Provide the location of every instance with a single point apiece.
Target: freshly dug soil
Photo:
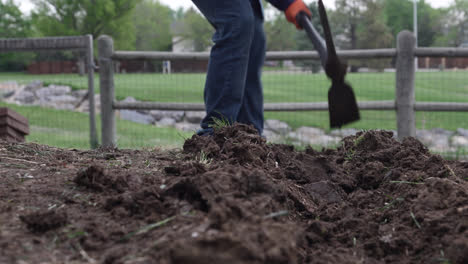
(233, 198)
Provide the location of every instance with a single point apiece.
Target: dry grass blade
(148, 228)
(415, 220)
(276, 214)
(407, 182)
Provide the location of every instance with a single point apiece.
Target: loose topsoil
(232, 198)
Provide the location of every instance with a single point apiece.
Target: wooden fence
(78, 43)
(404, 103)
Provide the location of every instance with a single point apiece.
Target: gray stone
(129, 99)
(7, 89)
(313, 136)
(194, 116)
(137, 117)
(79, 93)
(459, 141)
(344, 132)
(277, 126)
(84, 107)
(441, 131)
(24, 97)
(309, 132)
(462, 132)
(324, 140)
(33, 86)
(62, 99)
(436, 139)
(271, 136)
(188, 127)
(52, 90)
(160, 114)
(7, 94)
(166, 121)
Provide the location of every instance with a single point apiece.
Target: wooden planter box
(13, 126)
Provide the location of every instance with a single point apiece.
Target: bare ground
(232, 198)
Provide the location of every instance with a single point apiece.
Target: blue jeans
(233, 89)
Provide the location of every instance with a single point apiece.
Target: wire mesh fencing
(50, 89)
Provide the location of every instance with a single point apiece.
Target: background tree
(345, 21)
(13, 25)
(152, 26)
(373, 33)
(80, 17)
(455, 21)
(279, 32)
(399, 17)
(344, 24)
(193, 26)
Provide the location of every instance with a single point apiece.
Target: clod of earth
(233, 198)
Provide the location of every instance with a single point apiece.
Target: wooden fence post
(106, 76)
(92, 113)
(405, 71)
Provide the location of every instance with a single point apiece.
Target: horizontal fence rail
(441, 52)
(273, 107)
(271, 55)
(441, 107)
(50, 43)
(293, 55)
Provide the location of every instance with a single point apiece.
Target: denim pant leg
(229, 58)
(251, 111)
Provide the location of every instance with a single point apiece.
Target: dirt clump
(234, 198)
(40, 222)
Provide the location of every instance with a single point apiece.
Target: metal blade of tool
(342, 103)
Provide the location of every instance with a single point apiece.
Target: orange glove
(294, 9)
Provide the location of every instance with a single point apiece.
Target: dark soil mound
(44, 221)
(233, 198)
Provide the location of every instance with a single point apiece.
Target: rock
(33, 86)
(160, 114)
(129, 99)
(188, 127)
(308, 132)
(84, 107)
(277, 126)
(313, 136)
(435, 139)
(52, 90)
(462, 132)
(137, 117)
(24, 97)
(441, 131)
(62, 99)
(166, 121)
(325, 140)
(8, 89)
(271, 136)
(459, 141)
(344, 132)
(7, 94)
(194, 116)
(79, 93)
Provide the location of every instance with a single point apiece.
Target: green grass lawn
(68, 129)
(448, 86)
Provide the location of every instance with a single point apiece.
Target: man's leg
(251, 111)
(227, 70)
